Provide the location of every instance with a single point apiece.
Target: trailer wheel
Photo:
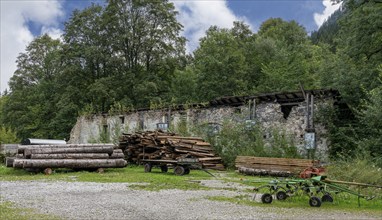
(314, 201)
(148, 168)
(187, 171)
(266, 198)
(164, 168)
(179, 170)
(281, 195)
(327, 198)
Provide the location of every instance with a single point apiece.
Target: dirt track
(84, 200)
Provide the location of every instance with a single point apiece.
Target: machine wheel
(266, 198)
(314, 201)
(164, 168)
(327, 198)
(148, 168)
(179, 170)
(187, 171)
(281, 195)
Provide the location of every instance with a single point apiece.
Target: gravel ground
(84, 200)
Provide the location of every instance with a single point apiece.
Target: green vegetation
(7, 136)
(362, 169)
(156, 180)
(125, 55)
(340, 202)
(243, 139)
(10, 211)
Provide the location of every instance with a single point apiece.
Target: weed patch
(10, 211)
(341, 202)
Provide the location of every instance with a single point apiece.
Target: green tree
(31, 103)
(359, 50)
(291, 59)
(184, 86)
(7, 136)
(289, 33)
(126, 52)
(146, 36)
(371, 121)
(354, 69)
(220, 62)
(328, 31)
(88, 57)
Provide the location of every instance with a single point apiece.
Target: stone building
(291, 112)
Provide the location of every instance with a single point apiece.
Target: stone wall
(269, 115)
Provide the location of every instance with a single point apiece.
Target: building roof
(283, 98)
(280, 97)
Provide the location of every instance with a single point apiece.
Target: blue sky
(23, 20)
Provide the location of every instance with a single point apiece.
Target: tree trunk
(21, 148)
(18, 163)
(71, 156)
(70, 163)
(103, 149)
(117, 155)
(9, 161)
(263, 172)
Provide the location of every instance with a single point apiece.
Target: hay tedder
(318, 188)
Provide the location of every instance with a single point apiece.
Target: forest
(127, 55)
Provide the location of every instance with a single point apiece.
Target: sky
(23, 20)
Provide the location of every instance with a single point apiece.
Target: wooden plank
(273, 164)
(210, 158)
(180, 138)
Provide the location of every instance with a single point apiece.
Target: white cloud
(54, 33)
(198, 16)
(320, 18)
(15, 34)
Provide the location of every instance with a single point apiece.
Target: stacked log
(272, 166)
(74, 156)
(168, 146)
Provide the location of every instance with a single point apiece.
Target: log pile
(168, 146)
(272, 166)
(73, 156)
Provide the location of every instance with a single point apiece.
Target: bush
(7, 136)
(235, 139)
(361, 168)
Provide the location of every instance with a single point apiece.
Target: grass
(9, 211)
(156, 180)
(341, 203)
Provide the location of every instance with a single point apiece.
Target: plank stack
(168, 146)
(74, 156)
(272, 166)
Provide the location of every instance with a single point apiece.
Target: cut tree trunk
(21, 148)
(18, 163)
(70, 163)
(9, 161)
(117, 155)
(262, 172)
(103, 149)
(71, 156)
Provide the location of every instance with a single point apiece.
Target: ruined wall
(270, 116)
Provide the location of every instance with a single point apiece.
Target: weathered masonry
(292, 112)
